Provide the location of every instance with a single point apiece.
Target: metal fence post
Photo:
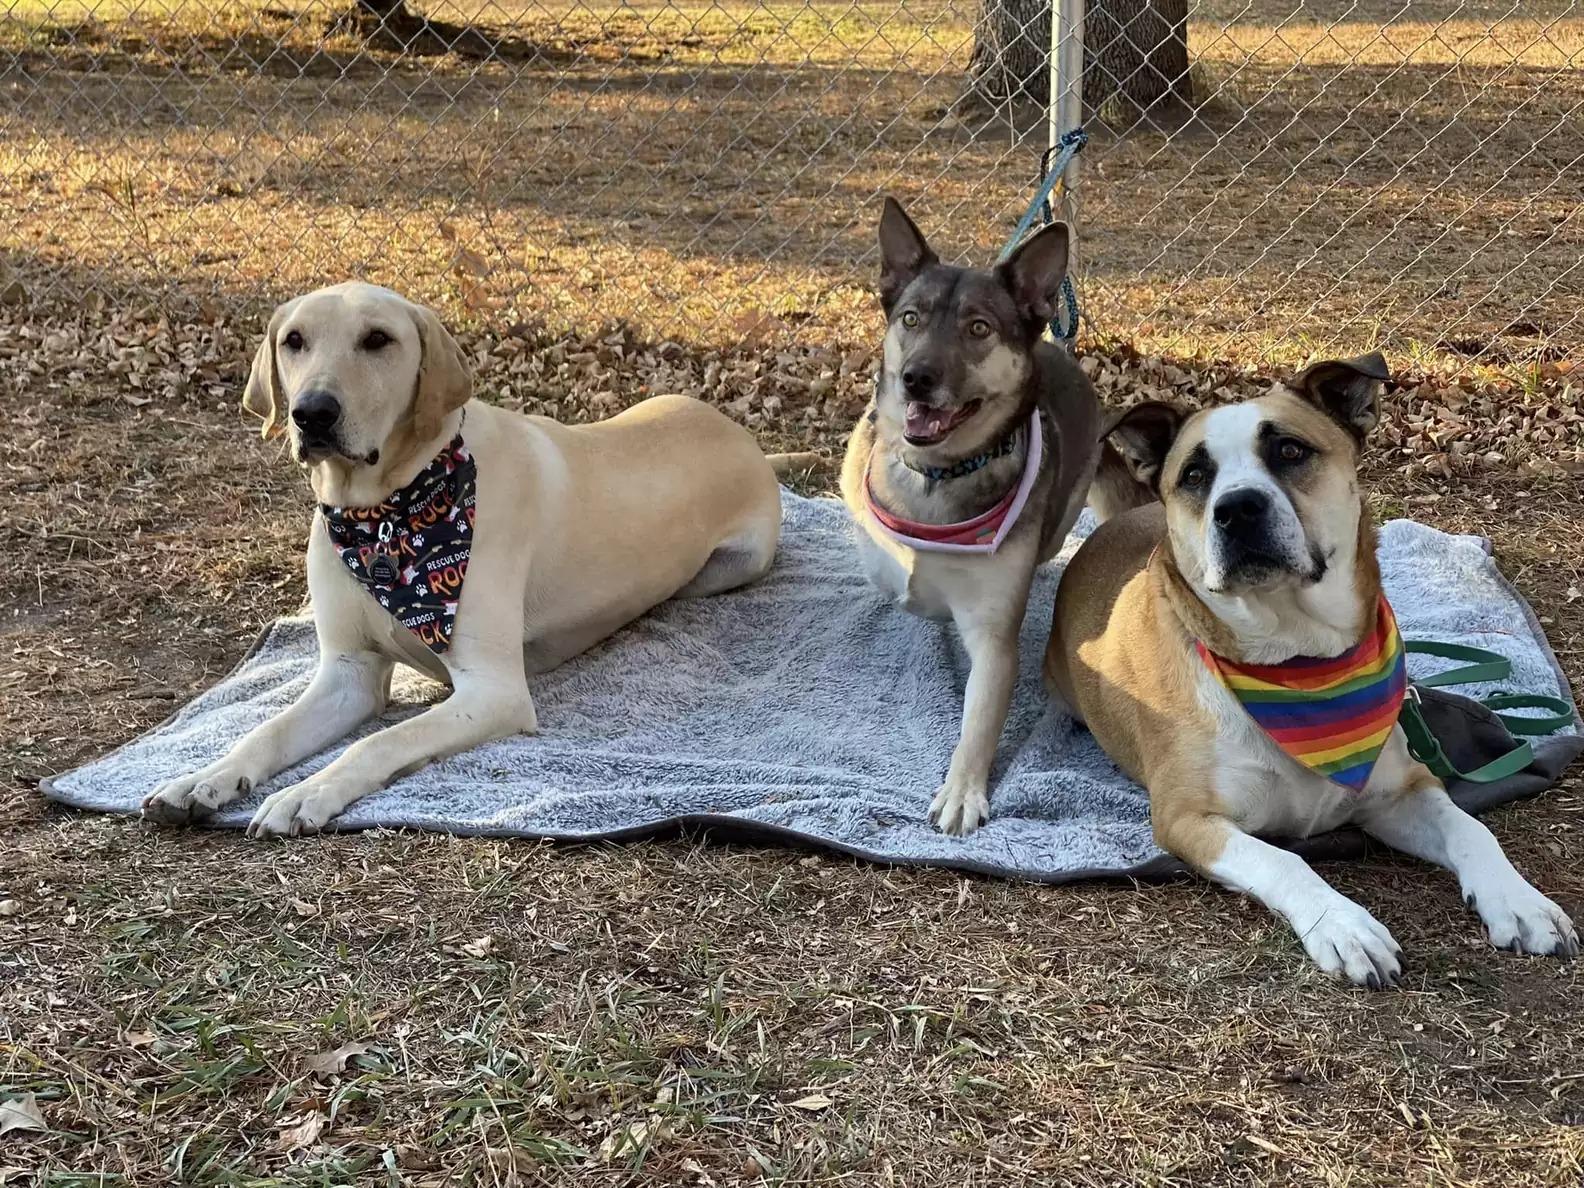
(1066, 106)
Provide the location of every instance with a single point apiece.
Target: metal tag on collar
(383, 567)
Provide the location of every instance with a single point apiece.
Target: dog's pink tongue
(924, 421)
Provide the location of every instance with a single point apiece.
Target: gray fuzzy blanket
(804, 710)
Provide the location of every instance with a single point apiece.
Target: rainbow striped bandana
(1333, 716)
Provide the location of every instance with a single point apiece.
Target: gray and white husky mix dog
(970, 465)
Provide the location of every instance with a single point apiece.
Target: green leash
(1480, 667)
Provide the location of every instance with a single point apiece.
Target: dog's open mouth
(927, 425)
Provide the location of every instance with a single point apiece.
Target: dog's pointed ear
(903, 252)
(1143, 436)
(1033, 274)
(1346, 390)
(263, 396)
(445, 382)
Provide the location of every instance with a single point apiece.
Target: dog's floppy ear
(445, 382)
(263, 396)
(903, 252)
(1143, 436)
(1033, 274)
(1346, 390)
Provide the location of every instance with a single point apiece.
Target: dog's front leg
(483, 706)
(962, 803)
(348, 689)
(1339, 935)
(1424, 822)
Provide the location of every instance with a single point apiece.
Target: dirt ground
(675, 1011)
(185, 1007)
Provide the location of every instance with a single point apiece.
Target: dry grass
(671, 1011)
(705, 172)
(668, 1012)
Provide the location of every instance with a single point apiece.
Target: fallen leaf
(633, 1137)
(482, 947)
(758, 1163)
(469, 261)
(328, 1064)
(139, 1039)
(696, 1169)
(21, 1113)
(305, 909)
(303, 1133)
(814, 1101)
(509, 1159)
(753, 327)
(410, 1158)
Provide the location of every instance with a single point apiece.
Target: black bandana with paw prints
(411, 551)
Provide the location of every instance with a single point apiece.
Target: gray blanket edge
(1552, 756)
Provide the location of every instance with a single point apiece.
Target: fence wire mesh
(709, 171)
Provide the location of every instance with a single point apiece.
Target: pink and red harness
(982, 534)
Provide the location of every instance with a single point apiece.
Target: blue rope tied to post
(1065, 150)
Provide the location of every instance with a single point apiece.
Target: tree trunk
(1138, 50)
(393, 25)
(372, 17)
(1011, 55)
(1134, 50)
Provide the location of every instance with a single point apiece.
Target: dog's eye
(375, 339)
(1193, 478)
(979, 328)
(910, 319)
(1290, 450)
(293, 341)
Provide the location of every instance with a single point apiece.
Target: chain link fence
(708, 172)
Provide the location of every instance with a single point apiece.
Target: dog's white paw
(1521, 920)
(1347, 941)
(193, 797)
(960, 807)
(299, 810)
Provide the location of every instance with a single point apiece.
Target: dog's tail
(1116, 489)
(786, 465)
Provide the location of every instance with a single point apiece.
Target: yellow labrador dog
(471, 543)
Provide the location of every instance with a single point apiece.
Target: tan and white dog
(1260, 548)
(574, 532)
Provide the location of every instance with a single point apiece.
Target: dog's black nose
(315, 413)
(1241, 509)
(919, 379)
